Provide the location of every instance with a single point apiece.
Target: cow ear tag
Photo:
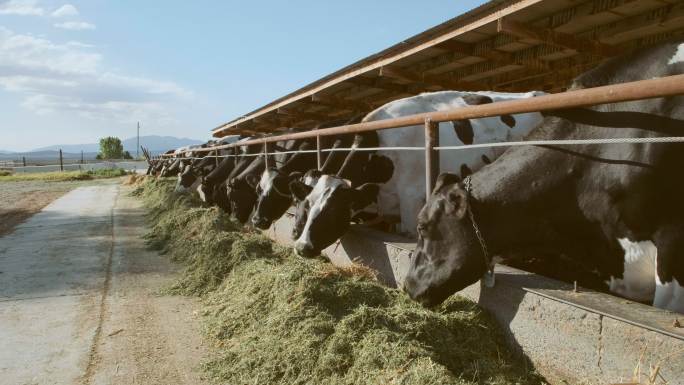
(489, 278)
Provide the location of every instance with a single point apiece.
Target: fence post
(23, 160)
(319, 155)
(431, 155)
(61, 161)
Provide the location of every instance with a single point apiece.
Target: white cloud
(75, 25)
(21, 7)
(65, 10)
(70, 78)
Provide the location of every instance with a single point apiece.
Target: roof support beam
(558, 39)
(303, 116)
(345, 104)
(429, 80)
(378, 84)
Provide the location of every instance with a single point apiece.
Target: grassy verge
(62, 176)
(278, 319)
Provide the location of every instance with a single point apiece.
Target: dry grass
(63, 176)
(275, 318)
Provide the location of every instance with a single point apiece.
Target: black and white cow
(617, 209)
(331, 199)
(273, 189)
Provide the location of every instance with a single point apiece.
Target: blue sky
(74, 71)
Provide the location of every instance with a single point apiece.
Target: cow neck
(503, 195)
(489, 263)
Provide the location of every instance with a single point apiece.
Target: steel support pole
(266, 154)
(431, 155)
(319, 155)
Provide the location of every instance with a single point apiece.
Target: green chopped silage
(278, 319)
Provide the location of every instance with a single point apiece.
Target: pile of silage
(278, 319)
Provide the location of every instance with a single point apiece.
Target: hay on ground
(275, 318)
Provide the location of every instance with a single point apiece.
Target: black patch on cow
(509, 120)
(475, 99)
(486, 159)
(464, 131)
(465, 170)
(379, 169)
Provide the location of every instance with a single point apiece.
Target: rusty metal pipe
(431, 156)
(642, 89)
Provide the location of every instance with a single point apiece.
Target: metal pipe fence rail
(632, 91)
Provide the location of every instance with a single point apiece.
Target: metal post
(23, 160)
(61, 161)
(82, 157)
(431, 155)
(319, 155)
(137, 144)
(266, 155)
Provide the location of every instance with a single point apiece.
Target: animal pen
(501, 46)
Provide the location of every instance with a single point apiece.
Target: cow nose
(304, 250)
(261, 223)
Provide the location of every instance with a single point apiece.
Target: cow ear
(297, 175)
(364, 195)
(457, 202)
(300, 190)
(445, 179)
(252, 180)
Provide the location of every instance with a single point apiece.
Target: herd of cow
(617, 210)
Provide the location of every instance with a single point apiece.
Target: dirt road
(79, 303)
(20, 200)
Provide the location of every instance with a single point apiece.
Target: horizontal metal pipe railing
(642, 89)
(556, 142)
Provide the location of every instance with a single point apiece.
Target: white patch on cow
(404, 194)
(179, 187)
(678, 56)
(201, 194)
(318, 198)
(668, 295)
(637, 282)
(310, 181)
(266, 181)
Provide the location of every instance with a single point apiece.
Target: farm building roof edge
(404, 45)
(502, 45)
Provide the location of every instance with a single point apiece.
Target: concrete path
(78, 302)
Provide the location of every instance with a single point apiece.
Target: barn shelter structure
(579, 336)
(512, 46)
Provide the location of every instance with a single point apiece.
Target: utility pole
(137, 147)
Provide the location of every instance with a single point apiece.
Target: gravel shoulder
(79, 300)
(20, 200)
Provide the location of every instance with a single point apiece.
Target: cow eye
(423, 230)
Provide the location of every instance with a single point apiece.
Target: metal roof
(503, 45)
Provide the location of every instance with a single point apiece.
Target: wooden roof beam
(336, 102)
(303, 116)
(430, 80)
(378, 84)
(558, 39)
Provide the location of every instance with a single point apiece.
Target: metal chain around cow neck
(488, 278)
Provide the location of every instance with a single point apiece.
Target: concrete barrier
(582, 337)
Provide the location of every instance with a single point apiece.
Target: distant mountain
(5, 152)
(154, 143)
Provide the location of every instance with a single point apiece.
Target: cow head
(448, 256)
(186, 179)
(324, 210)
(273, 197)
(242, 196)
